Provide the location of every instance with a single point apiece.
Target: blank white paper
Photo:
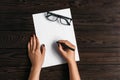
(49, 32)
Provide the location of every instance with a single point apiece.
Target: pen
(66, 46)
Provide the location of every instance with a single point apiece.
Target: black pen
(66, 46)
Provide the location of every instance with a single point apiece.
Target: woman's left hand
(36, 52)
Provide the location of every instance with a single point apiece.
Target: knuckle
(73, 45)
(37, 51)
(33, 52)
(65, 40)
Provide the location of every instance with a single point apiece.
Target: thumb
(60, 48)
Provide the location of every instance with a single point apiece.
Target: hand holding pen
(67, 50)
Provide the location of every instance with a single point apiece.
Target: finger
(61, 41)
(31, 43)
(69, 43)
(28, 47)
(37, 43)
(34, 42)
(60, 48)
(66, 42)
(43, 49)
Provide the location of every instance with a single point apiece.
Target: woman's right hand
(68, 54)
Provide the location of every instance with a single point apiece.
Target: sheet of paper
(49, 32)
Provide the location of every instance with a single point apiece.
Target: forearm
(34, 74)
(73, 71)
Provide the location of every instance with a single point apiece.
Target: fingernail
(43, 45)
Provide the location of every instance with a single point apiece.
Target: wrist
(35, 68)
(72, 64)
(71, 61)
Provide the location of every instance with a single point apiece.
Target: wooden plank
(19, 57)
(14, 57)
(32, 6)
(15, 39)
(99, 58)
(18, 16)
(88, 72)
(99, 72)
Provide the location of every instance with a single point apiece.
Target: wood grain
(97, 31)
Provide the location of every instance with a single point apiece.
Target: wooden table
(97, 29)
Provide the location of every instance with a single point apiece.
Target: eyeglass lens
(51, 17)
(65, 21)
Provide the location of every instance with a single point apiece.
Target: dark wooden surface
(97, 29)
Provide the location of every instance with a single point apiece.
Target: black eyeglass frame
(59, 16)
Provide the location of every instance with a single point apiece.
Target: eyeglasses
(54, 17)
